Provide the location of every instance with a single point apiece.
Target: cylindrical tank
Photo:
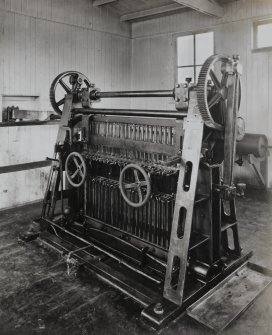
(255, 144)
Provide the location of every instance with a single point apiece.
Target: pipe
(132, 94)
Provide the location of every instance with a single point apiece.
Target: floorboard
(37, 296)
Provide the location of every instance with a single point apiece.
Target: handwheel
(66, 83)
(76, 170)
(142, 187)
(212, 91)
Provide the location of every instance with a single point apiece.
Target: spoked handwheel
(66, 83)
(76, 170)
(212, 91)
(140, 186)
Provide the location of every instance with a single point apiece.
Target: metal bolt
(177, 85)
(67, 211)
(177, 99)
(236, 57)
(185, 85)
(158, 309)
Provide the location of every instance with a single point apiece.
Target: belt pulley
(66, 83)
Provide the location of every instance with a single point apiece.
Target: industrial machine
(145, 198)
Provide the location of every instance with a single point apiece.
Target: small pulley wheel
(76, 170)
(66, 83)
(136, 193)
(212, 91)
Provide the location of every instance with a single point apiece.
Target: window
(262, 34)
(192, 51)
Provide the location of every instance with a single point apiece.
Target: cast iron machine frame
(164, 249)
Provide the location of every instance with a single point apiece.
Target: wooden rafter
(203, 6)
(97, 3)
(151, 12)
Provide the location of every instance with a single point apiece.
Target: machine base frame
(157, 311)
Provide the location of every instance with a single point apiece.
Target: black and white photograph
(135, 167)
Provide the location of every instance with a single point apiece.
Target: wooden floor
(37, 296)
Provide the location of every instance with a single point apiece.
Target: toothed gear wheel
(212, 93)
(66, 83)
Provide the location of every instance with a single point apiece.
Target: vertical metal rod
(167, 221)
(154, 219)
(149, 219)
(129, 215)
(163, 212)
(158, 210)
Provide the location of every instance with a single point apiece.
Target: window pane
(185, 50)
(204, 47)
(185, 72)
(264, 35)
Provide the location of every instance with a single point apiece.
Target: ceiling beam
(97, 3)
(203, 6)
(151, 12)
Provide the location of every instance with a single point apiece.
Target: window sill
(265, 49)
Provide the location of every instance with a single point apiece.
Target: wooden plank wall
(41, 38)
(38, 40)
(153, 58)
(24, 144)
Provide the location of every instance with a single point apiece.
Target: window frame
(188, 33)
(255, 25)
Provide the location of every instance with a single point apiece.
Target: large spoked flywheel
(66, 83)
(212, 91)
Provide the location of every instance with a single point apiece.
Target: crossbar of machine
(132, 94)
(130, 112)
